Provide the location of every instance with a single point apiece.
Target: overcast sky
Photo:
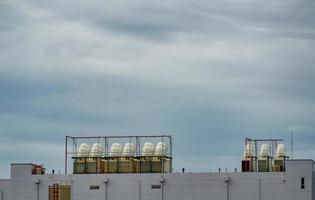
(210, 73)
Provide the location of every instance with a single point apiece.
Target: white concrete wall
(176, 186)
(197, 186)
(21, 171)
(5, 190)
(295, 170)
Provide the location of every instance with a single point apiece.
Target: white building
(296, 183)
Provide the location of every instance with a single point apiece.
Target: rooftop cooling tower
(115, 150)
(264, 150)
(161, 149)
(148, 149)
(96, 150)
(129, 149)
(280, 151)
(84, 150)
(248, 151)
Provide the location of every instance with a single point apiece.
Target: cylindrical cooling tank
(148, 149)
(84, 150)
(248, 151)
(264, 150)
(96, 150)
(115, 150)
(129, 149)
(280, 151)
(161, 149)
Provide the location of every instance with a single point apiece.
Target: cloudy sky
(210, 73)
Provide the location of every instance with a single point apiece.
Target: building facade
(296, 183)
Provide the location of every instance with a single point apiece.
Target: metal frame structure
(272, 144)
(105, 141)
(255, 143)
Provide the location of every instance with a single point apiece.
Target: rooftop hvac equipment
(161, 149)
(148, 149)
(280, 152)
(264, 151)
(115, 150)
(129, 149)
(84, 150)
(107, 154)
(263, 165)
(263, 161)
(96, 150)
(248, 151)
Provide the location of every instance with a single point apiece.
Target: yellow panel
(64, 192)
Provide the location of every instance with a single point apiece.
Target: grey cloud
(9, 18)
(157, 21)
(163, 20)
(209, 73)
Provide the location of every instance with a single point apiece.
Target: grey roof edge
(300, 160)
(22, 164)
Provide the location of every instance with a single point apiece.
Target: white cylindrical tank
(115, 150)
(148, 149)
(280, 152)
(129, 149)
(161, 149)
(248, 150)
(264, 150)
(96, 150)
(84, 150)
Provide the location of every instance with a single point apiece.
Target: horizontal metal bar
(263, 140)
(105, 157)
(108, 137)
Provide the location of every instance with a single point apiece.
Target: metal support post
(106, 185)
(66, 154)
(162, 180)
(37, 189)
(227, 181)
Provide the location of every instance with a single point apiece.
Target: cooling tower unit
(279, 161)
(107, 155)
(161, 149)
(264, 159)
(129, 150)
(115, 150)
(247, 161)
(79, 163)
(148, 149)
(96, 150)
(84, 150)
(95, 166)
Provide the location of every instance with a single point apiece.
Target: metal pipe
(263, 140)
(162, 180)
(122, 136)
(138, 151)
(171, 146)
(256, 155)
(37, 189)
(66, 154)
(227, 181)
(291, 145)
(129, 159)
(106, 147)
(162, 155)
(1, 192)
